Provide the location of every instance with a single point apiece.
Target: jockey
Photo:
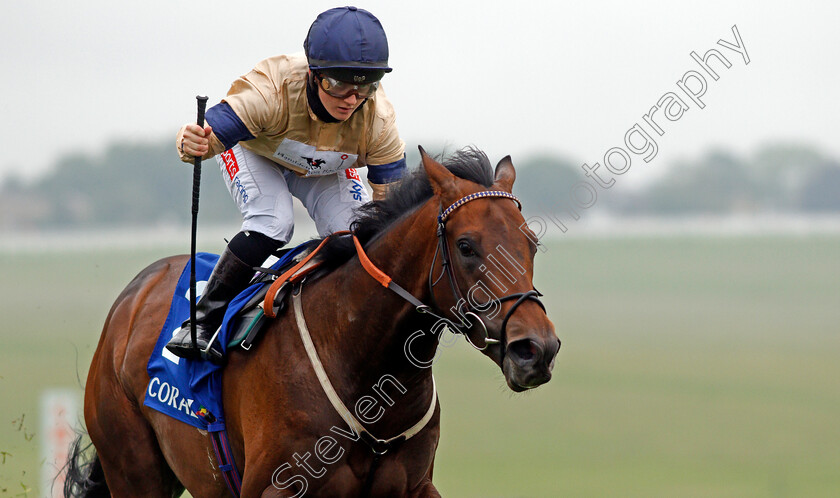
(296, 125)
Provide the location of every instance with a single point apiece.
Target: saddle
(246, 316)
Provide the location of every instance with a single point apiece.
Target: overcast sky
(565, 77)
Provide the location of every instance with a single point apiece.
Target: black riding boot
(230, 277)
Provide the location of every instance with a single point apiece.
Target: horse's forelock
(471, 164)
(374, 218)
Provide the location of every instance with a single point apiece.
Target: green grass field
(690, 366)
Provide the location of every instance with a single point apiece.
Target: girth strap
(227, 466)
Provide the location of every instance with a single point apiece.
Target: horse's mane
(376, 217)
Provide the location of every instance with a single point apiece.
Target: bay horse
(452, 220)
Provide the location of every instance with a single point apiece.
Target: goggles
(342, 89)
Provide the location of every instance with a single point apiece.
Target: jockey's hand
(195, 141)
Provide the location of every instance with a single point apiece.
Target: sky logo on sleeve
(352, 188)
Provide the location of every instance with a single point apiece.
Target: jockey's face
(340, 109)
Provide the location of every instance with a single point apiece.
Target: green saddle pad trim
(243, 332)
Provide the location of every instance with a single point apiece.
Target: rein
(380, 447)
(463, 307)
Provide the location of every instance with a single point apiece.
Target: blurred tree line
(128, 184)
(146, 185)
(776, 179)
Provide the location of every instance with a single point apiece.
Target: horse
(452, 221)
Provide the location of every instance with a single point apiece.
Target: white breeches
(263, 191)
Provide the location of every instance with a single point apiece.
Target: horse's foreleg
(426, 489)
(272, 492)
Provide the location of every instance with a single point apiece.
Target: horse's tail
(85, 477)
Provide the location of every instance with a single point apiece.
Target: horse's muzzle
(529, 361)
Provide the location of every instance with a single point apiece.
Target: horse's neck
(362, 328)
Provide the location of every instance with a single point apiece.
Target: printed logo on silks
(352, 174)
(231, 166)
(237, 183)
(309, 161)
(352, 188)
(314, 163)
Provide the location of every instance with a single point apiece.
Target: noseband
(463, 308)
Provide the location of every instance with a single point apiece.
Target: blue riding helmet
(347, 42)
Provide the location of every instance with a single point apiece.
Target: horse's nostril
(526, 350)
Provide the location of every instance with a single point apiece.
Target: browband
(478, 195)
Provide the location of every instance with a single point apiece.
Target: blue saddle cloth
(191, 390)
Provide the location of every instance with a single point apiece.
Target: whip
(196, 187)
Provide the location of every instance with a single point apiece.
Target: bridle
(380, 447)
(462, 306)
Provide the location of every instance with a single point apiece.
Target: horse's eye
(465, 248)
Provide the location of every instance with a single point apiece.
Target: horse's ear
(441, 179)
(505, 174)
